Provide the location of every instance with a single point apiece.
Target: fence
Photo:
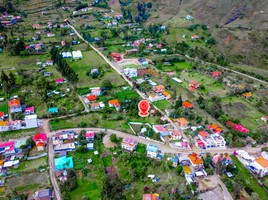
(152, 139)
(35, 157)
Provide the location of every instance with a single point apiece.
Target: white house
(77, 54)
(218, 140)
(206, 139)
(153, 98)
(66, 55)
(3, 126)
(130, 72)
(129, 143)
(260, 166)
(31, 121)
(15, 125)
(152, 150)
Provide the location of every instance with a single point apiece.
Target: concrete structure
(77, 54)
(31, 121)
(130, 72)
(153, 98)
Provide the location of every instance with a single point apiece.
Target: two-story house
(196, 161)
(152, 150)
(114, 103)
(90, 136)
(206, 139)
(219, 141)
(129, 144)
(41, 141)
(15, 106)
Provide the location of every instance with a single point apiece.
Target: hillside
(242, 36)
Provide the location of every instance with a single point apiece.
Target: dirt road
(227, 196)
(52, 169)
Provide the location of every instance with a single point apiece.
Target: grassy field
(92, 60)
(163, 104)
(248, 179)
(90, 183)
(29, 165)
(110, 122)
(177, 66)
(3, 107)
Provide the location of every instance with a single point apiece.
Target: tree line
(63, 66)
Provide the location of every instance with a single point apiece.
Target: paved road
(164, 147)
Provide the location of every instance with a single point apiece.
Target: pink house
(59, 81)
(90, 136)
(29, 111)
(96, 92)
(7, 147)
(240, 128)
(63, 43)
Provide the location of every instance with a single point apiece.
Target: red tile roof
(186, 104)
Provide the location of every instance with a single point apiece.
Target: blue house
(174, 161)
(90, 146)
(53, 110)
(64, 163)
(152, 150)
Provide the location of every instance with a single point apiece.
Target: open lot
(27, 182)
(30, 165)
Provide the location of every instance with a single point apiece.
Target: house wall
(151, 154)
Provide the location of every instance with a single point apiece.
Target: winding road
(165, 147)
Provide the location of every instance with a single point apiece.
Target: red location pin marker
(144, 107)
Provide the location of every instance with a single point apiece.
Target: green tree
(12, 79)
(30, 141)
(6, 87)
(113, 138)
(141, 47)
(179, 169)
(107, 84)
(169, 163)
(112, 188)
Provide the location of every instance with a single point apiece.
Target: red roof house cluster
(237, 127)
(116, 56)
(193, 85)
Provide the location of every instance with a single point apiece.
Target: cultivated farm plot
(27, 182)
(243, 111)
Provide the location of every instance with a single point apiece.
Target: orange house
(183, 123)
(196, 161)
(158, 88)
(186, 104)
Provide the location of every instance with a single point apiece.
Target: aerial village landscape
(72, 76)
